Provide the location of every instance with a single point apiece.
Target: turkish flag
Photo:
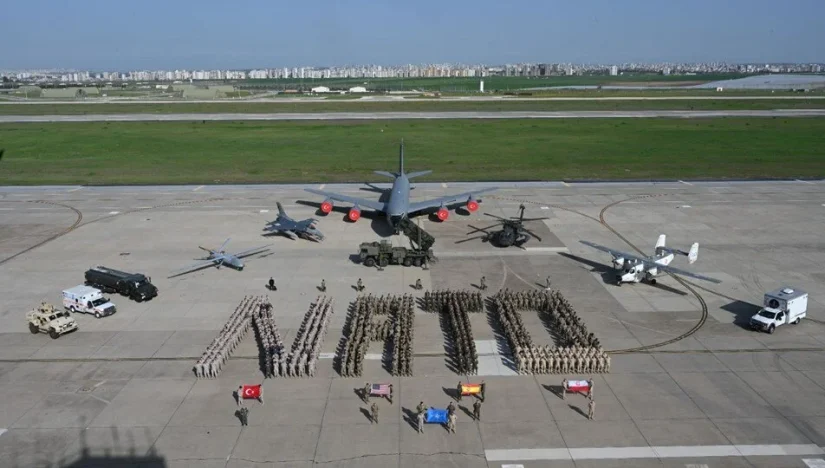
(251, 391)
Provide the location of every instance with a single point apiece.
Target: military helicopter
(512, 231)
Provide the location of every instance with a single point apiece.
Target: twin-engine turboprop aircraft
(633, 269)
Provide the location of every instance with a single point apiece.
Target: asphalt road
(413, 115)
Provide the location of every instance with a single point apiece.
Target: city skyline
(91, 35)
(409, 71)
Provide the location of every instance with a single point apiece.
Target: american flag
(380, 389)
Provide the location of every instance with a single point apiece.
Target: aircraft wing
(677, 271)
(279, 224)
(249, 252)
(363, 202)
(197, 266)
(614, 253)
(448, 200)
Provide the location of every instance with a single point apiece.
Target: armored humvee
(48, 319)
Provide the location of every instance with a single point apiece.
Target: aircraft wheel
(369, 262)
(771, 329)
(33, 328)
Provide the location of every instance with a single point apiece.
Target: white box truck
(785, 305)
(88, 300)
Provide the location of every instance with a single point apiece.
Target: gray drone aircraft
(398, 205)
(219, 257)
(287, 226)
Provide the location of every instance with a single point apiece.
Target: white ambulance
(87, 300)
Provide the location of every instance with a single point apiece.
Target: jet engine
(472, 205)
(326, 206)
(354, 214)
(442, 214)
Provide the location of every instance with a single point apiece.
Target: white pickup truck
(87, 300)
(780, 307)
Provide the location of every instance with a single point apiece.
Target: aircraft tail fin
(418, 174)
(280, 209)
(660, 244)
(661, 241)
(694, 252)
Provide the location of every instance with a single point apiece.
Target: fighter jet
(219, 257)
(287, 226)
(633, 269)
(398, 205)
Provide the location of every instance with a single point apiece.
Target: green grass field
(408, 106)
(314, 151)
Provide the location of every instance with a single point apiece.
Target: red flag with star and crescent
(251, 391)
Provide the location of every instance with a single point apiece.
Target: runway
(678, 114)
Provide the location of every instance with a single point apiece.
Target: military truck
(48, 319)
(133, 285)
(383, 253)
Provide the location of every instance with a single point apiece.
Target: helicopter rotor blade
(494, 216)
(484, 230)
(469, 239)
(532, 234)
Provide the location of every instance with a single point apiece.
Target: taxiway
(680, 114)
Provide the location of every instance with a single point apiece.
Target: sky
(186, 34)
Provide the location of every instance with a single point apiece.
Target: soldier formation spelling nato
(391, 318)
(580, 351)
(303, 358)
(217, 353)
(374, 318)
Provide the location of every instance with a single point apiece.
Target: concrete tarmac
(121, 389)
(413, 115)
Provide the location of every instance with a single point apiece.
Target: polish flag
(251, 391)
